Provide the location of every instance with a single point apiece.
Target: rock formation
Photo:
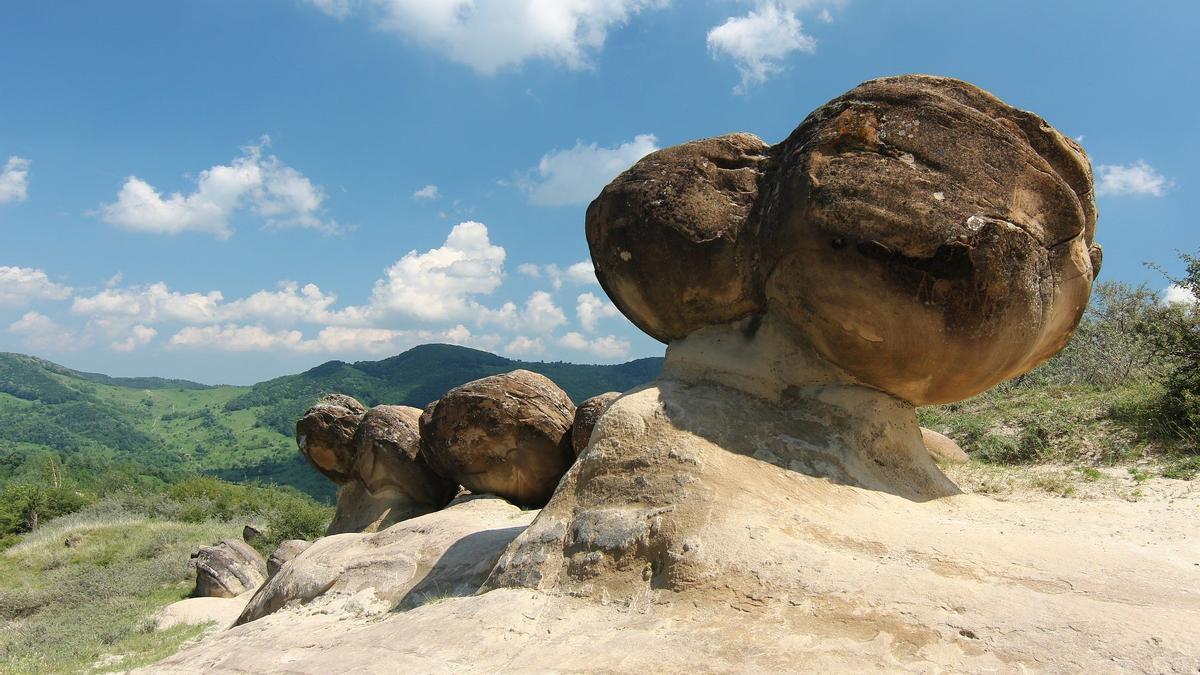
(374, 457)
(586, 416)
(942, 448)
(913, 241)
(432, 557)
(283, 553)
(769, 504)
(227, 570)
(507, 435)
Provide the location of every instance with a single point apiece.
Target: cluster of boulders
(513, 435)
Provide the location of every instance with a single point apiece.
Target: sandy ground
(1105, 579)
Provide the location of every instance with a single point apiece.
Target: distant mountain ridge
(164, 428)
(421, 375)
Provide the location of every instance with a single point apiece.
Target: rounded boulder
(507, 435)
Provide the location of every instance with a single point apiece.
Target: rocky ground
(1023, 579)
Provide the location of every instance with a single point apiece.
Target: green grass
(88, 606)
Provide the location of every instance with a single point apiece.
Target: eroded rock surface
(586, 416)
(375, 458)
(284, 552)
(227, 570)
(433, 557)
(942, 448)
(325, 435)
(507, 435)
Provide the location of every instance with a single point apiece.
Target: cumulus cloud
(759, 42)
(429, 192)
(541, 314)
(577, 273)
(439, 284)
(14, 180)
(490, 35)
(576, 175)
(22, 285)
(151, 304)
(608, 346)
(40, 332)
(522, 345)
(590, 309)
(139, 336)
(1178, 295)
(263, 185)
(1137, 179)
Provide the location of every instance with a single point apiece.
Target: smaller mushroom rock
(942, 448)
(586, 416)
(326, 433)
(388, 441)
(389, 479)
(227, 570)
(284, 552)
(507, 435)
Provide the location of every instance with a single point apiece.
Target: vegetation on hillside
(94, 579)
(1127, 387)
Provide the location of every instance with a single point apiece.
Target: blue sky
(232, 190)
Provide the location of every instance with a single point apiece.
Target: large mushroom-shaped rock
(507, 435)
(227, 570)
(586, 416)
(325, 435)
(375, 458)
(914, 241)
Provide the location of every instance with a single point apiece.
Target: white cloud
(1178, 295)
(530, 270)
(522, 345)
(14, 180)
(581, 272)
(1137, 179)
(759, 42)
(235, 338)
(292, 303)
(264, 185)
(590, 309)
(608, 346)
(21, 285)
(151, 304)
(40, 332)
(428, 192)
(541, 315)
(139, 336)
(576, 175)
(438, 284)
(490, 35)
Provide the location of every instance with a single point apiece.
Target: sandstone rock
(674, 239)
(221, 613)
(389, 458)
(284, 552)
(251, 534)
(440, 555)
(227, 570)
(912, 222)
(507, 435)
(326, 435)
(942, 448)
(586, 416)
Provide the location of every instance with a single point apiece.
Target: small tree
(1173, 330)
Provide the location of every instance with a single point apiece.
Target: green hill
(156, 429)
